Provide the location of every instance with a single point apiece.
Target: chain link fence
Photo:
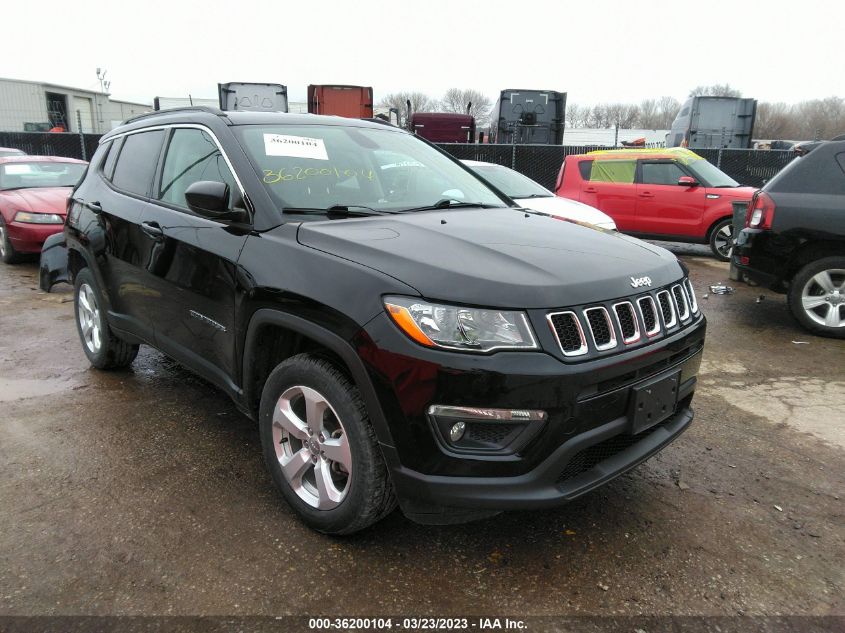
(68, 144)
(542, 163)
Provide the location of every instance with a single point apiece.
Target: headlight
(38, 218)
(455, 327)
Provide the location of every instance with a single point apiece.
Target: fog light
(457, 431)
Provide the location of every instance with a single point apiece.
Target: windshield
(317, 167)
(710, 175)
(40, 174)
(11, 152)
(510, 182)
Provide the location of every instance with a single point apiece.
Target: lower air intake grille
(584, 460)
(493, 433)
(568, 332)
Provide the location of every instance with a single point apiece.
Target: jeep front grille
(607, 328)
(681, 302)
(568, 332)
(649, 313)
(601, 328)
(666, 308)
(627, 320)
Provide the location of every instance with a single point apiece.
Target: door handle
(153, 230)
(590, 190)
(646, 194)
(95, 207)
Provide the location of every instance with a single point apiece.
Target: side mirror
(210, 199)
(687, 181)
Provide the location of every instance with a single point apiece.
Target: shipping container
(355, 102)
(253, 97)
(443, 127)
(714, 122)
(528, 116)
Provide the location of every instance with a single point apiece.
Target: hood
(739, 193)
(505, 258)
(39, 199)
(566, 208)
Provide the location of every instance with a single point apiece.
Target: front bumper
(29, 238)
(585, 442)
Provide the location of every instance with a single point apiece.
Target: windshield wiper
(534, 195)
(344, 210)
(448, 203)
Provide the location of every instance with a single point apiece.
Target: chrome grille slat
(597, 320)
(667, 309)
(626, 318)
(691, 295)
(681, 302)
(652, 311)
(562, 324)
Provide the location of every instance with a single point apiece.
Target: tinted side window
(111, 158)
(661, 173)
(137, 162)
(192, 155)
(584, 167)
(840, 158)
(616, 171)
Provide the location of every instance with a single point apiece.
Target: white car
(531, 195)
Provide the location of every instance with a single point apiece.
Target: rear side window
(137, 162)
(840, 158)
(661, 173)
(585, 166)
(192, 155)
(615, 171)
(111, 158)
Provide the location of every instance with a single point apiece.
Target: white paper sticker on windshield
(295, 146)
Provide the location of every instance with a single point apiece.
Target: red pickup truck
(672, 194)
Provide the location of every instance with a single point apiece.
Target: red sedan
(33, 201)
(666, 194)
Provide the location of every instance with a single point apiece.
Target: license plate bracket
(654, 401)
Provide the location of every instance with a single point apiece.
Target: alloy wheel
(88, 313)
(723, 240)
(312, 447)
(2, 240)
(823, 297)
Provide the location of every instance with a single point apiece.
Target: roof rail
(145, 115)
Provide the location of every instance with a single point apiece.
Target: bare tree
(420, 102)
(667, 110)
(716, 90)
(576, 115)
(456, 100)
(774, 121)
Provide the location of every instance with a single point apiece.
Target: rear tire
(321, 448)
(817, 297)
(7, 251)
(101, 346)
(721, 239)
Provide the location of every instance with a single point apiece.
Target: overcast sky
(595, 50)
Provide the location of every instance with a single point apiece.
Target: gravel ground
(142, 492)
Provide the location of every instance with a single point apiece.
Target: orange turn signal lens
(406, 323)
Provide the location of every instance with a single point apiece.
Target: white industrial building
(34, 106)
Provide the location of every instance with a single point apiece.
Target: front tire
(321, 449)
(7, 251)
(103, 349)
(817, 297)
(721, 239)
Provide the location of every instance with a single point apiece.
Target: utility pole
(104, 87)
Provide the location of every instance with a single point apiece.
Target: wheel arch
(810, 251)
(273, 335)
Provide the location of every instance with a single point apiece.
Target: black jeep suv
(400, 330)
(794, 240)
